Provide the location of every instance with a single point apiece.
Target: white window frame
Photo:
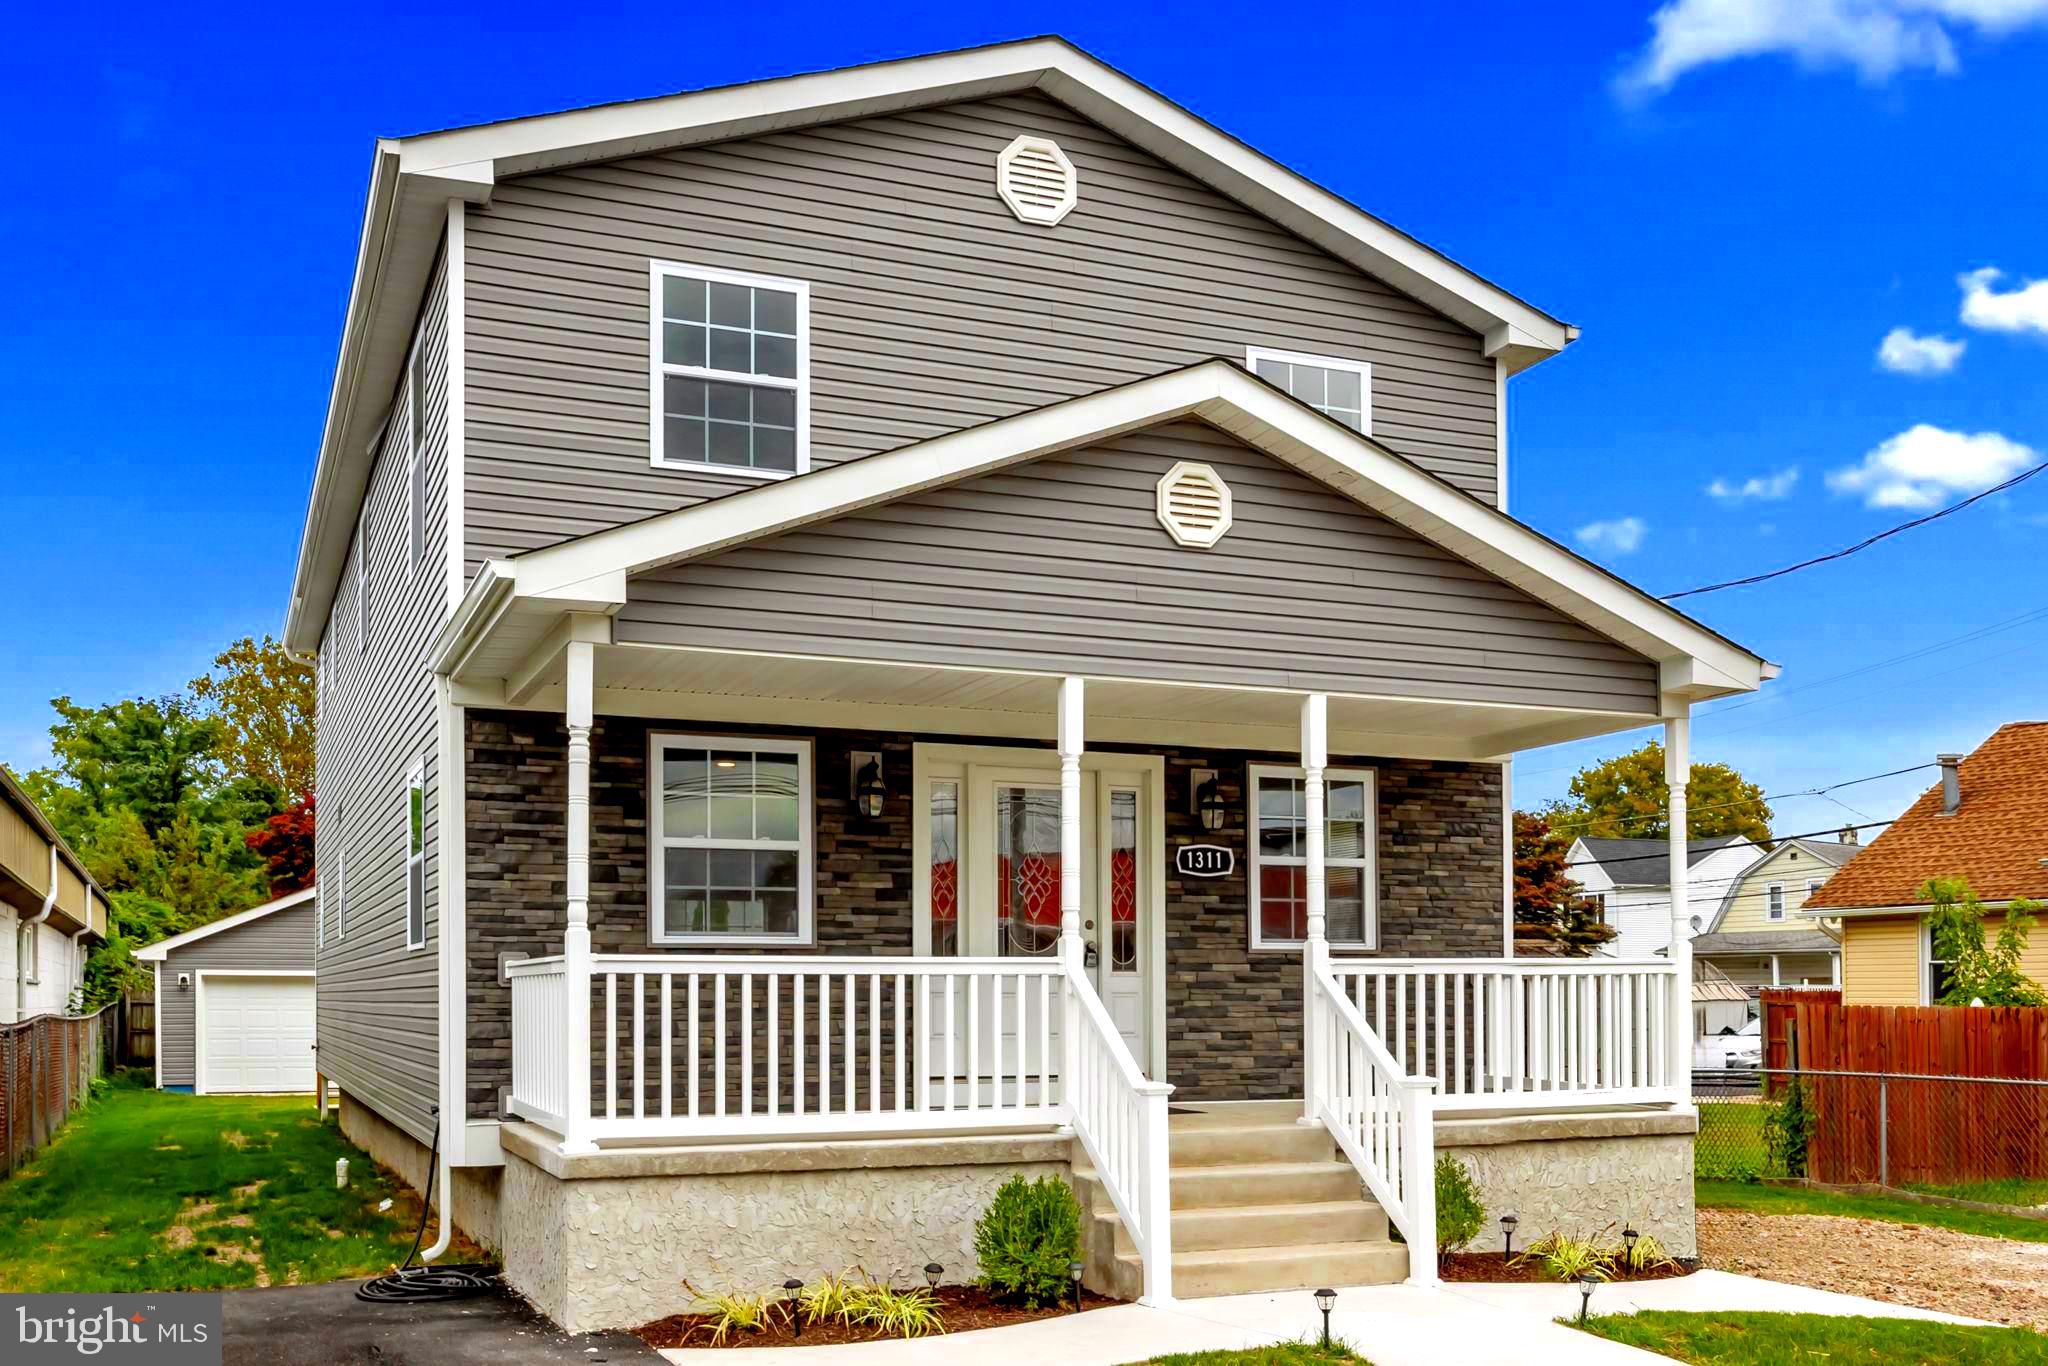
(658, 368)
(1813, 884)
(416, 471)
(1363, 369)
(659, 843)
(415, 781)
(1599, 903)
(1774, 902)
(1927, 961)
(1256, 859)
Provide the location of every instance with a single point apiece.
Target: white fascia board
(594, 568)
(157, 952)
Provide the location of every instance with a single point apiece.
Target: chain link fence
(47, 1068)
(1968, 1138)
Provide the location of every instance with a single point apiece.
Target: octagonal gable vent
(1194, 504)
(1036, 180)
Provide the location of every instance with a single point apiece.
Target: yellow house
(1986, 821)
(1757, 937)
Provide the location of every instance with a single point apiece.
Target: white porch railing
(1121, 1120)
(540, 1044)
(1381, 1117)
(1524, 1034)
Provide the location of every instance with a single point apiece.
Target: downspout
(26, 937)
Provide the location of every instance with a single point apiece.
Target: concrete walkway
(1391, 1325)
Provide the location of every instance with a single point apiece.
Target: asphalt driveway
(326, 1325)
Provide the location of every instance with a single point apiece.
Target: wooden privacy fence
(1915, 1095)
(47, 1066)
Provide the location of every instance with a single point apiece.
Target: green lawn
(2017, 1191)
(1772, 1339)
(145, 1190)
(1758, 1199)
(1281, 1354)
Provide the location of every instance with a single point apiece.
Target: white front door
(256, 1035)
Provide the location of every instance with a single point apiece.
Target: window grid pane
(1335, 392)
(1282, 854)
(732, 841)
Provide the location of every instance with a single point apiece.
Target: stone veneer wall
(1580, 1185)
(1233, 1017)
(611, 1252)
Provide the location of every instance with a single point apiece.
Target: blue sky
(1738, 201)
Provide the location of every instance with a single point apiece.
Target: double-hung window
(1337, 388)
(731, 372)
(1774, 901)
(416, 855)
(730, 839)
(1279, 859)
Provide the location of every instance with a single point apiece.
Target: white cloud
(1877, 38)
(2017, 310)
(1903, 353)
(1923, 466)
(1767, 488)
(1617, 537)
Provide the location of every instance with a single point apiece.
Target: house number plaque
(1203, 860)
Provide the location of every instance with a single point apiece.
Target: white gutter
(25, 936)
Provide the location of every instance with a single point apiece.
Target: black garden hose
(426, 1284)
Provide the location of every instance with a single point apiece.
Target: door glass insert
(1123, 880)
(945, 869)
(1027, 871)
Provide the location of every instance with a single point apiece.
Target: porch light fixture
(932, 1272)
(1074, 1270)
(1326, 1300)
(795, 1289)
(1205, 798)
(1507, 1235)
(866, 783)
(1586, 1284)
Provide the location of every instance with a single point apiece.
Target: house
(1630, 881)
(1757, 937)
(938, 605)
(234, 1000)
(51, 911)
(1985, 820)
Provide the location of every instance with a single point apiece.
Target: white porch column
(1072, 955)
(579, 670)
(1775, 979)
(1835, 967)
(1315, 757)
(1678, 774)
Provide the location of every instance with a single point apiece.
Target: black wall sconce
(1205, 797)
(865, 783)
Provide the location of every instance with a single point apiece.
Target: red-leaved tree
(1552, 916)
(285, 842)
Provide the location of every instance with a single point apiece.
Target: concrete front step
(1217, 1230)
(1263, 1183)
(1208, 1146)
(1244, 1271)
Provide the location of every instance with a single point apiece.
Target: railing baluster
(875, 1043)
(746, 1043)
(611, 1045)
(824, 1043)
(951, 1022)
(696, 1045)
(899, 1043)
(718, 1029)
(796, 1043)
(639, 1045)
(1045, 1040)
(973, 1041)
(774, 1043)
(667, 1043)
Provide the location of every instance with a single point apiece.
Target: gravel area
(1930, 1268)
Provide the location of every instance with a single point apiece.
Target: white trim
(1695, 662)
(1507, 869)
(1363, 369)
(1255, 858)
(455, 386)
(804, 846)
(1186, 472)
(415, 779)
(199, 976)
(1774, 903)
(451, 948)
(157, 952)
(1047, 215)
(416, 455)
(1500, 433)
(156, 997)
(657, 368)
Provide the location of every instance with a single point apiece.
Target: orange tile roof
(1997, 838)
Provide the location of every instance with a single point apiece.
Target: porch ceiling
(743, 688)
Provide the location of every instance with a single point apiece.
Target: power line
(1776, 839)
(1780, 797)
(1863, 544)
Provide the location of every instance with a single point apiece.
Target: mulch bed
(962, 1308)
(1491, 1266)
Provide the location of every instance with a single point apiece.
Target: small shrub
(1566, 1258)
(1788, 1129)
(830, 1298)
(892, 1312)
(735, 1311)
(1025, 1239)
(1460, 1213)
(1743, 1168)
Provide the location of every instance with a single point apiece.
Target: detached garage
(234, 1001)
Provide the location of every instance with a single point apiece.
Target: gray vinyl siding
(378, 1013)
(280, 942)
(1061, 565)
(932, 307)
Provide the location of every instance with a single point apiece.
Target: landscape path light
(1326, 1300)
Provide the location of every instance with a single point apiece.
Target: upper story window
(1279, 858)
(731, 372)
(1774, 901)
(730, 840)
(1337, 388)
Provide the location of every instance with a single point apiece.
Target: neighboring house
(1986, 820)
(51, 911)
(1757, 936)
(838, 601)
(1630, 881)
(234, 1000)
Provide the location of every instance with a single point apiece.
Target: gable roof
(157, 952)
(1834, 855)
(590, 574)
(1645, 863)
(1997, 838)
(413, 180)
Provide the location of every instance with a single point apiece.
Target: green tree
(1626, 797)
(1977, 970)
(1551, 916)
(263, 697)
(139, 755)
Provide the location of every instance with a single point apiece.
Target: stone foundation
(607, 1241)
(476, 1188)
(1581, 1174)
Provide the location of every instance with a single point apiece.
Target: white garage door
(258, 1034)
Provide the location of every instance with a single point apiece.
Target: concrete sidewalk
(1391, 1325)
